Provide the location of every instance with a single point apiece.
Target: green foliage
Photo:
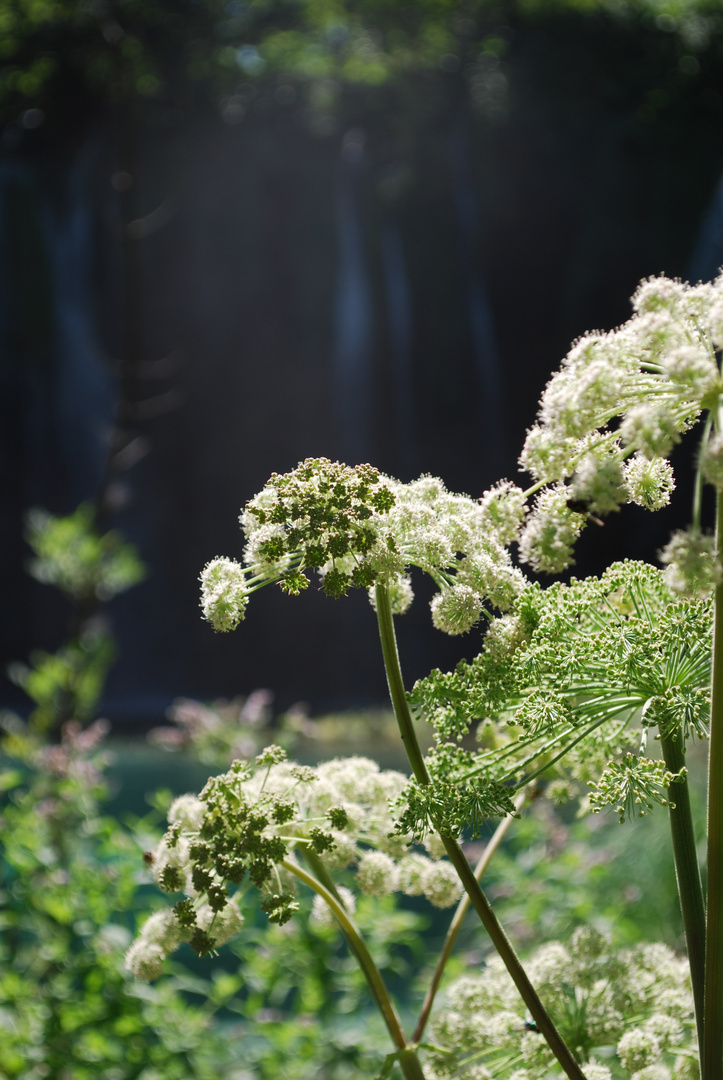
(71, 555)
(559, 870)
(91, 568)
(66, 684)
(71, 894)
(301, 1000)
(140, 49)
(69, 901)
(575, 679)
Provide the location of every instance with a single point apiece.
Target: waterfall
(53, 373)
(84, 392)
(352, 354)
(486, 358)
(399, 314)
(707, 257)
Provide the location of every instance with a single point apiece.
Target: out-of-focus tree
(56, 53)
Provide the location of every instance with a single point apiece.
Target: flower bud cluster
(637, 1000)
(249, 824)
(320, 514)
(633, 786)
(572, 677)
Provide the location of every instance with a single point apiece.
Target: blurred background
(234, 235)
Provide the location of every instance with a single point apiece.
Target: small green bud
(201, 943)
(338, 817)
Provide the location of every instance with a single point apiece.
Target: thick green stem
(712, 1048)
(511, 961)
(408, 1060)
(454, 851)
(459, 916)
(698, 485)
(687, 871)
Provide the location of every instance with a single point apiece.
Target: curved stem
(712, 1048)
(456, 856)
(395, 683)
(517, 973)
(687, 871)
(321, 873)
(408, 1060)
(459, 916)
(698, 487)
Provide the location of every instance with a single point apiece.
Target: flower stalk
(459, 916)
(687, 871)
(712, 1046)
(455, 854)
(408, 1060)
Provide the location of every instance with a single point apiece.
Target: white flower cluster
(649, 483)
(357, 527)
(549, 537)
(224, 593)
(162, 934)
(460, 542)
(692, 568)
(345, 802)
(382, 858)
(712, 461)
(632, 1008)
(611, 415)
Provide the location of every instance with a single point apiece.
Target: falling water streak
(7, 174)
(487, 366)
(83, 391)
(352, 356)
(707, 257)
(399, 313)
(27, 406)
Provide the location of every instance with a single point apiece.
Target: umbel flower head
(357, 528)
(249, 824)
(610, 417)
(636, 1000)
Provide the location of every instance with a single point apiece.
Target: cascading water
(53, 367)
(707, 257)
(83, 392)
(399, 315)
(486, 357)
(352, 354)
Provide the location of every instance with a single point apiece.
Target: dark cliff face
(392, 280)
